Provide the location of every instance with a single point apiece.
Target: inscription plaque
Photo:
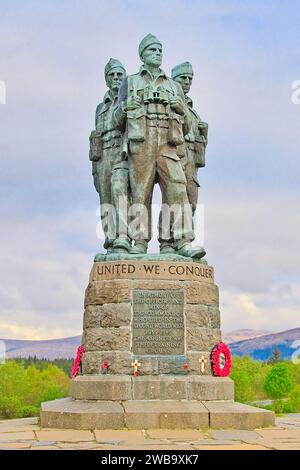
(158, 322)
(191, 271)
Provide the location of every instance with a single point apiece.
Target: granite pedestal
(148, 331)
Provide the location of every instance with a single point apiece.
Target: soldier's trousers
(190, 172)
(112, 183)
(155, 160)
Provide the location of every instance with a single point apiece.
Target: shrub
(243, 387)
(278, 382)
(9, 407)
(248, 376)
(22, 389)
(29, 410)
(294, 371)
(294, 400)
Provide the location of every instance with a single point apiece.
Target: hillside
(261, 347)
(66, 347)
(240, 335)
(258, 346)
(49, 349)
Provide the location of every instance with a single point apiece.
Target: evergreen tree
(276, 356)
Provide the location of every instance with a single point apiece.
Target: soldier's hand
(177, 104)
(133, 102)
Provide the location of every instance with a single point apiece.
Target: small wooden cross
(136, 364)
(202, 362)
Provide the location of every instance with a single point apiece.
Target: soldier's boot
(108, 245)
(166, 247)
(121, 245)
(139, 248)
(190, 251)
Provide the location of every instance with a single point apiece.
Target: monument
(152, 354)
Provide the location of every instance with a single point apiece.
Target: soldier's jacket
(196, 138)
(155, 94)
(106, 134)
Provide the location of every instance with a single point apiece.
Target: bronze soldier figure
(110, 167)
(196, 140)
(154, 116)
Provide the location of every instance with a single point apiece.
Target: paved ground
(26, 434)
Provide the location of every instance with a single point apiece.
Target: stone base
(152, 414)
(159, 317)
(151, 387)
(163, 314)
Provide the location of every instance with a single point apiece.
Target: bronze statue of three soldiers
(147, 132)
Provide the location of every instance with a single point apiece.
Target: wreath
(221, 360)
(77, 362)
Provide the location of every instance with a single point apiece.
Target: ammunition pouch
(181, 152)
(136, 124)
(203, 129)
(199, 152)
(95, 146)
(175, 129)
(200, 144)
(157, 109)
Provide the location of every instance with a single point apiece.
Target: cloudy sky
(245, 55)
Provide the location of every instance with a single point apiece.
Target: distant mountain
(239, 335)
(49, 349)
(66, 347)
(257, 346)
(261, 348)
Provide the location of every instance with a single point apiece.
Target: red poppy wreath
(221, 360)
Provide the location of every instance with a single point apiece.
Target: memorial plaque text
(158, 322)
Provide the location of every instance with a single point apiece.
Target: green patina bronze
(110, 168)
(147, 132)
(193, 151)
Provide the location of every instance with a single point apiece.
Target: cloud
(252, 241)
(252, 238)
(44, 273)
(276, 309)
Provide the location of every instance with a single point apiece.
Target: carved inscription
(151, 270)
(158, 322)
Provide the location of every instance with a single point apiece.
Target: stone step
(148, 414)
(66, 413)
(163, 387)
(226, 415)
(167, 414)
